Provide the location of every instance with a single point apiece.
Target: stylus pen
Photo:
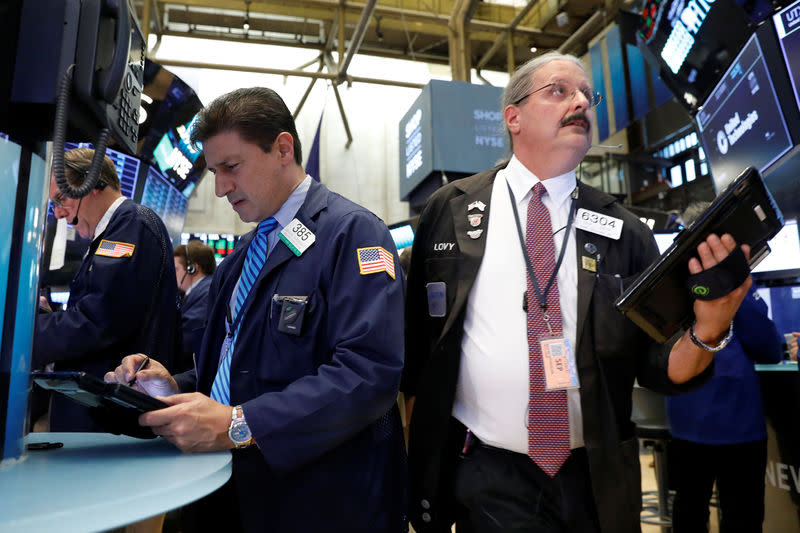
(144, 364)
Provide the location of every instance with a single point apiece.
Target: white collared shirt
(492, 391)
(106, 218)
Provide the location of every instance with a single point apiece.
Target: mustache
(577, 116)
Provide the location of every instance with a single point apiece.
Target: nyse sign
(488, 129)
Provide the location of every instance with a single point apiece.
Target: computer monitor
(787, 24)
(784, 259)
(741, 123)
(691, 43)
(166, 200)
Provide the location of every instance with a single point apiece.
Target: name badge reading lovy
(598, 223)
(297, 237)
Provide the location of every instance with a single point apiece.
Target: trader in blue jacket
(194, 265)
(309, 346)
(123, 298)
(719, 430)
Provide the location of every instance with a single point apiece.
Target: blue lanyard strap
(542, 297)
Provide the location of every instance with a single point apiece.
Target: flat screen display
(167, 201)
(741, 123)
(403, 236)
(691, 43)
(664, 240)
(222, 244)
(787, 24)
(785, 254)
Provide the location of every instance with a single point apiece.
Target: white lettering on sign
(779, 474)
(682, 37)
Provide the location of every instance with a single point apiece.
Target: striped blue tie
(253, 263)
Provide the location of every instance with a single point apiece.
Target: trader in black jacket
(194, 265)
(512, 429)
(123, 299)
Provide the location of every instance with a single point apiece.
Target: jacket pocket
(615, 335)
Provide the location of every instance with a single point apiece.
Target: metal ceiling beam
(355, 41)
(498, 42)
(460, 60)
(286, 72)
(582, 34)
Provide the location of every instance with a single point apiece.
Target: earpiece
(191, 268)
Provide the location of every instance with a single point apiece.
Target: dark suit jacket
(322, 404)
(194, 312)
(611, 352)
(117, 306)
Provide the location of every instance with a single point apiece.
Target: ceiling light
(246, 24)
(534, 49)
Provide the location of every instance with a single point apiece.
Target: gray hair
(521, 83)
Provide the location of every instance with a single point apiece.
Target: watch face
(239, 432)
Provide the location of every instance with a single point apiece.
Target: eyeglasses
(58, 201)
(558, 91)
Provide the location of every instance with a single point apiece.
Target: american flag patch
(375, 259)
(115, 249)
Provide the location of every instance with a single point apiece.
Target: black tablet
(659, 301)
(91, 391)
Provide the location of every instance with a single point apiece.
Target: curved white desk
(99, 481)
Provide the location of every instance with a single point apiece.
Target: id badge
(559, 363)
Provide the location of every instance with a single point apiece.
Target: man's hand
(714, 317)
(193, 422)
(793, 346)
(153, 380)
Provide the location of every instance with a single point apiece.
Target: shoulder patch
(115, 249)
(375, 259)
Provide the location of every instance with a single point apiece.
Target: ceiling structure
(465, 34)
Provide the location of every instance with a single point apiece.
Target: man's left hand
(193, 422)
(714, 317)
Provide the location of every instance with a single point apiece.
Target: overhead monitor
(787, 24)
(167, 201)
(691, 43)
(741, 123)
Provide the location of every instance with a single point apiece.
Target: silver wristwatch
(239, 432)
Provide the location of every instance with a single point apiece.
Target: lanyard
(542, 297)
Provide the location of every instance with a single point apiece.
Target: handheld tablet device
(659, 301)
(91, 391)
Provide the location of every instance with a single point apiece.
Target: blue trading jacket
(194, 312)
(321, 405)
(728, 409)
(117, 306)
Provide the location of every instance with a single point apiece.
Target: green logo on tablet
(700, 290)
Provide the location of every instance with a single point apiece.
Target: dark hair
(81, 158)
(201, 254)
(258, 114)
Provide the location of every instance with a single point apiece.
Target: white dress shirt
(492, 391)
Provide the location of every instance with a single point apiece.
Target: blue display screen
(741, 123)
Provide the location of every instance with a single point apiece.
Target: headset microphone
(74, 221)
(609, 146)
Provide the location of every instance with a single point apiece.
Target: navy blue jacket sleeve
(362, 335)
(112, 294)
(757, 333)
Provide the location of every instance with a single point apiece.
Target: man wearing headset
(194, 264)
(122, 299)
